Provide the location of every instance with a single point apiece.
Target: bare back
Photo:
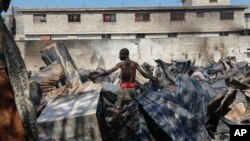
(128, 71)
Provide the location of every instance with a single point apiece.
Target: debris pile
(188, 103)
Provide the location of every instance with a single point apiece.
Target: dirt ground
(11, 128)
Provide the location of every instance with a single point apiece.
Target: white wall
(57, 24)
(90, 54)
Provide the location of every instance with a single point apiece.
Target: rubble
(49, 77)
(190, 103)
(74, 117)
(84, 74)
(58, 52)
(175, 121)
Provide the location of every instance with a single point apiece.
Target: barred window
(248, 55)
(227, 15)
(247, 17)
(74, 17)
(172, 35)
(142, 17)
(139, 36)
(39, 18)
(109, 17)
(177, 16)
(213, 0)
(224, 33)
(200, 14)
(106, 36)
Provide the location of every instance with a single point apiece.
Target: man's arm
(107, 72)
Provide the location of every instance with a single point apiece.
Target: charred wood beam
(237, 84)
(49, 77)
(218, 107)
(18, 76)
(4, 5)
(58, 52)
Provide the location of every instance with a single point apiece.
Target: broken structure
(191, 103)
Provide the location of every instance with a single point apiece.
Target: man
(128, 74)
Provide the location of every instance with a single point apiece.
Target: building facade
(131, 22)
(94, 36)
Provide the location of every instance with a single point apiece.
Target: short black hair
(124, 51)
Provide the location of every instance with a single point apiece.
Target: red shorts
(128, 85)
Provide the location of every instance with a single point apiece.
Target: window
(172, 35)
(177, 16)
(139, 36)
(213, 0)
(247, 17)
(40, 18)
(226, 15)
(224, 33)
(200, 14)
(45, 37)
(109, 17)
(74, 17)
(106, 36)
(142, 17)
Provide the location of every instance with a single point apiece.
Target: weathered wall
(90, 54)
(125, 23)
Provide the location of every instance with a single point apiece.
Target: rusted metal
(58, 52)
(49, 77)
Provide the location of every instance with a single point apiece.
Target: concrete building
(191, 20)
(94, 36)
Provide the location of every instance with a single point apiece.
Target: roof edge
(100, 9)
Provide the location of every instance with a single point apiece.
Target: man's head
(124, 54)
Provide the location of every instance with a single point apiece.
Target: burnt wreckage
(61, 102)
(188, 103)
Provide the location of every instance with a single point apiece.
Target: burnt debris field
(187, 103)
